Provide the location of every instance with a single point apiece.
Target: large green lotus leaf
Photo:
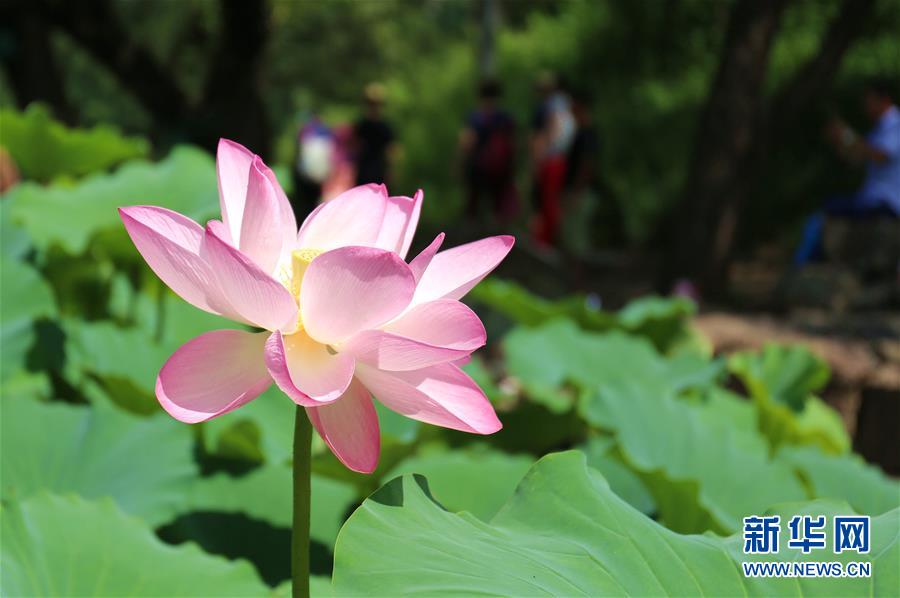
(144, 464)
(266, 493)
(601, 454)
(845, 477)
(24, 297)
(70, 216)
(476, 479)
(779, 373)
(550, 355)
(704, 462)
(45, 149)
(67, 546)
(566, 533)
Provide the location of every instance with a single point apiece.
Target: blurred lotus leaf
(526, 308)
(781, 381)
(557, 352)
(71, 215)
(662, 320)
(817, 424)
(45, 149)
(780, 373)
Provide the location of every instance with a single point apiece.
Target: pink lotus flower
(344, 316)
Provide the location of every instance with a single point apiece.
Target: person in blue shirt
(879, 151)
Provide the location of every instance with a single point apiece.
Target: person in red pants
(554, 130)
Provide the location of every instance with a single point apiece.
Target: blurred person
(343, 171)
(373, 139)
(879, 151)
(315, 147)
(488, 148)
(9, 172)
(553, 133)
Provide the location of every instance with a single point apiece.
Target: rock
(869, 247)
(826, 286)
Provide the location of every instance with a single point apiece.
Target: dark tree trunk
(96, 27)
(736, 129)
(30, 62)
(716, 184)
(233, 105)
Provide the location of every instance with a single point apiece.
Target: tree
(716, 182)
(231, 103)
(735, 130)
(29, 60)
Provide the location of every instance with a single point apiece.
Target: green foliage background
(646, 65)
(103, 494)
(629, 453)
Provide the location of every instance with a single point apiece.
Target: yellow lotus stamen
(300, 261)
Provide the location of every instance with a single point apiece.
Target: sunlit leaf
(781, 380)
(67, 546)
(44, 149)
(783, 374)
(844, 477)
(476, 479)
(565, 533)
(601, 455)
(125, 360)
(144, 464)
(185, 181)
(704, 463)
(558, 352)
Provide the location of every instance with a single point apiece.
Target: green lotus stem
(300, 533)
